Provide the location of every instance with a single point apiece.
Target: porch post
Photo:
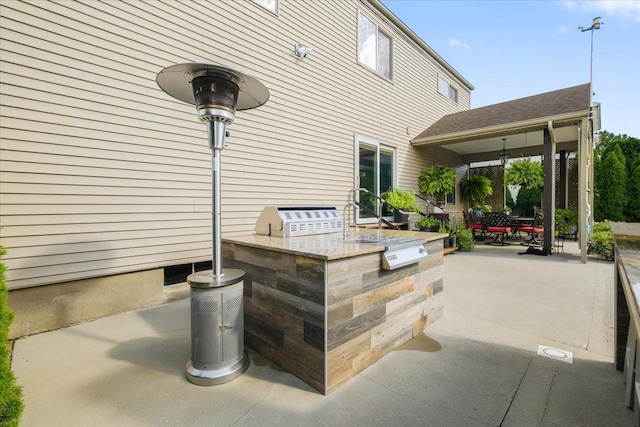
(549, 190)
(564, 181)
(584, 207)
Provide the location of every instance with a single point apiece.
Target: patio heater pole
(217, 316)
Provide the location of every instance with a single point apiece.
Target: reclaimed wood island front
(322, 308)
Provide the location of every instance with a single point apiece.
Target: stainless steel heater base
(217, 376)
(217, 328)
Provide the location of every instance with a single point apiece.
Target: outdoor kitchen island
(322, 307)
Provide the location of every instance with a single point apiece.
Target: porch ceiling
(477, 134)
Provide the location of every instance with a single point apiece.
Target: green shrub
(427, 222)
(566, 219)
(464, 239)
(601, 241)
(11, 405)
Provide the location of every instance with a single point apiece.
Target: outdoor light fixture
(217, 324)
(302, 51)
(504, 156)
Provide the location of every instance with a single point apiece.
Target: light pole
(585, 207)
(597, 22)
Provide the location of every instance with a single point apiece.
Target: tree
(612, 186)
(633, 189)
(630, 148)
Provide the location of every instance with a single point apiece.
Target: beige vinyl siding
(103, 173)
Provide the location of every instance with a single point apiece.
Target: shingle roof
(557, 102)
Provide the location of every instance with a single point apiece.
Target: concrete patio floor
(476, 366)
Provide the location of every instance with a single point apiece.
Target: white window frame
(270, 5)
(374, 63)
(449, 91)
(362, 139)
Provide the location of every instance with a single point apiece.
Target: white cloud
(562, 30)
(626, 9)
(455, 43)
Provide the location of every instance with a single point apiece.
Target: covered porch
(552, 125)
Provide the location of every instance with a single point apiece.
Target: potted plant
(482, 208)
(401, 200)
(566, 222)
(428, 223)
(475, 189)
(438, 181)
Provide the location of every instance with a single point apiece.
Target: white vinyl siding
(103, 173)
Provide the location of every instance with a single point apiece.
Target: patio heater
(217, 326)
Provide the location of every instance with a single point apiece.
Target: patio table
(518, 221)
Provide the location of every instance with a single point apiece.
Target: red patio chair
(498, 224)
(476, 225)
(534, 231)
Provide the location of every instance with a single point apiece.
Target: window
(451, 198)
(447, 90)
(376, 166)
(271, 5)
(374, 47)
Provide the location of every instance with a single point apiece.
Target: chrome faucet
(347, 219)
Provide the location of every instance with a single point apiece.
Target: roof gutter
(466, 135)
(415, 38)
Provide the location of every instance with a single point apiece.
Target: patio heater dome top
(177, 81)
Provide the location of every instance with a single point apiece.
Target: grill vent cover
(283, 221)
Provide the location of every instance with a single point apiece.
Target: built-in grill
(281, 221)
(399, 251)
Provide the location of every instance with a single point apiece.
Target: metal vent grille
(207, 305)
(234, 303)
(298, 221)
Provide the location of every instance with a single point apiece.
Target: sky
(513, 49)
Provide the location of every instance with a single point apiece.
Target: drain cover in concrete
(555, 353)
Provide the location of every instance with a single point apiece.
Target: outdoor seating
(498, 224)
(476, 225)
(534, 230)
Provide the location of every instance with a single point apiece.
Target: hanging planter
(525, 173)
(437, 180)
(476, 189)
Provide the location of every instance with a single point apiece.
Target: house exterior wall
(104, 174)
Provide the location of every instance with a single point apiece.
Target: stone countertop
(331, 246)
(626, 238)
